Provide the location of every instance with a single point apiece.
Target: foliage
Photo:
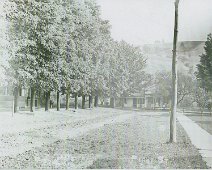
(163, 86)
(63, 45)
(204, 73)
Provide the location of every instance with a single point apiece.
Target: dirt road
(98, 138)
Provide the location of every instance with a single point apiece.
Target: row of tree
(193, 87)
(63, 46)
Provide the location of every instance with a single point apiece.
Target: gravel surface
(46, 132)
(143, 143)
(203, 120)
(139, 142)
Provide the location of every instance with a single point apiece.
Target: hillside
(159, 55)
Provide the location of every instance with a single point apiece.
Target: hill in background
(159, 55)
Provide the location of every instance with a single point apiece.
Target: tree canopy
(204, 73)
(65, 46)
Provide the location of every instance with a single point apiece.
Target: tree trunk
(67, 99)
(76, 101)
(83, 101)
(15, 100)
(201, 109)
(58, 101)
(174, 80)
(122, 103)
(28, 97)
(32, 100)
(39, 100)
(6, 91)
(20, 91)
(112, 102)
(96, 101)
(90, 101)
(47, 101)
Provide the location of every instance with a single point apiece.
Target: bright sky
(146, 21)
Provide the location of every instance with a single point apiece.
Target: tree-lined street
(99, 138)
(74, 95)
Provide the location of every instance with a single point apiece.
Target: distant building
(145, 100)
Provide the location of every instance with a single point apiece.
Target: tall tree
(204, 77)
(63, 45)
(163, 86)
(30, 25)
(204, 73)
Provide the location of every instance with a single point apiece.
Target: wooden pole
(174, 79)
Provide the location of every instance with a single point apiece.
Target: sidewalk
(200, 138)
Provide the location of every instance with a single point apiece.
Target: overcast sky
(146, 21)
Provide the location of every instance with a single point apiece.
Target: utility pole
(174, 79)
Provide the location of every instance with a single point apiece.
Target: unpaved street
(98, 138)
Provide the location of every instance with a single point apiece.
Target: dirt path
(12, 144)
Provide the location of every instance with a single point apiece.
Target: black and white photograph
(105, 84)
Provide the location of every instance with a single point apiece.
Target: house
(147, 102)
(7, 99)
